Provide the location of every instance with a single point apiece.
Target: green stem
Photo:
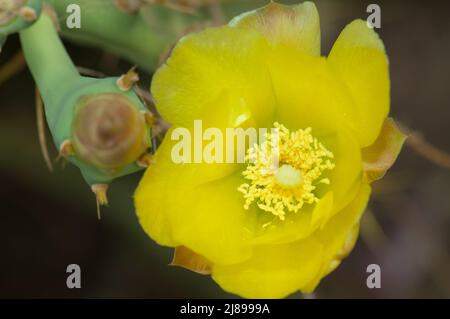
(75, 106)
(140, 38)
(46, 56)
(16, 21)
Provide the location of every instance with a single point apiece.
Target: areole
(9, 9)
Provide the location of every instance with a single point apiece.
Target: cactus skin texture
(97, 126)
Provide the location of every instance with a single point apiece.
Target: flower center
(288, 177)
(284, 171)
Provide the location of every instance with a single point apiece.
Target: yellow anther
(284, 183)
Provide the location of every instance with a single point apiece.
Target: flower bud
(109, 131)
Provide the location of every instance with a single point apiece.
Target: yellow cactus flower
(265, 231)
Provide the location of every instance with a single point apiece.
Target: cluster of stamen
(284, 171)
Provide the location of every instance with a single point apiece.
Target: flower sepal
(382, 154)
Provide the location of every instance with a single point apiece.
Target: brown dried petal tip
(186, 258)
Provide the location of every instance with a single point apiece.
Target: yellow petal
(322, 211)
(207, 66)
(381, 155)
(296, 25)
(186, 258)
(309, 95)
(358, 57)
(196, 205)
(210, 220)
(347, 248)
(268, 230)
(164, 183)
(345, 180)
(339, 235)
(274, 271)
(307, 91)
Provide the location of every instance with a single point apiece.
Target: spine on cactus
(100, 125)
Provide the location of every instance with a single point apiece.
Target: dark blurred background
(48, 220)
